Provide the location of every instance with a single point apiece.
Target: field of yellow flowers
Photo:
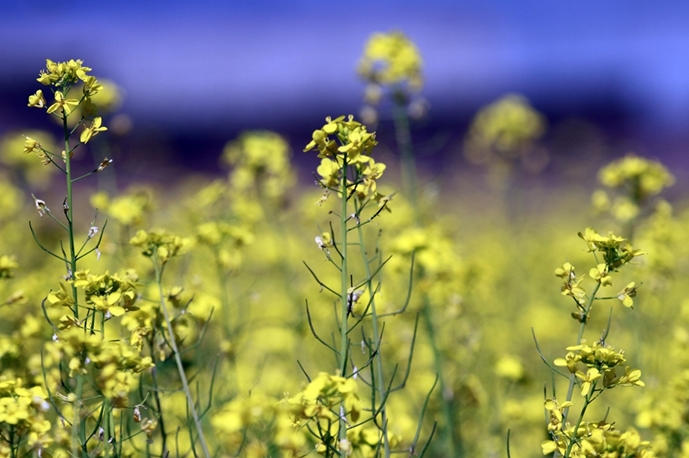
(367, 315)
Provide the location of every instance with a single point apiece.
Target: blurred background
(610, 77)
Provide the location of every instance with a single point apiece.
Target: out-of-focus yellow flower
(641, 176)
(260, 161)
(160, 244)
(505, 129)
(509, 367)
(8, 265)
(127, 209)
(636, 180)
(14, 150)
(391, 59)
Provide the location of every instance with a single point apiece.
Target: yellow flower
(391, 59)
(8, 264)
(62, 103)
(587, 379)
(627, 294)
(37, 100)
(600, 274)
(92, 130)
(505, 129)
(330, 171)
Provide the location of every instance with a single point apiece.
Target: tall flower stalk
(593, 368)
(348, 170)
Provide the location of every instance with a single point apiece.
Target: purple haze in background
(214, 68)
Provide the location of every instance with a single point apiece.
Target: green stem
(409, 180)
(587, 402)
(376, 344)
(403, 136)
(178, 358)
(448, 407)
(344, 277)
(156, 396)
(106, 430)
(78, 432)
(69, 213)
(572, 378)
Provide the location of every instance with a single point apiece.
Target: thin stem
(587, 402)
(178, 359)
(380, 383)
(69, 212)
(448, 405)
(344, 296)
(572, 378)
(403, 135)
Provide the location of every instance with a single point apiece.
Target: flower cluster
(255, 420)
(8, 265)
(115, 363)
(62, 77)
(160, 244)
(127, 209)
(505, 130)
(22, 414)
(635, 180)
(598, 439)
(111, 294)
(391, 59)
(319, 402)
(571, 284)
(343, 143)
(601, 361)
(259, 160)
(616, 250)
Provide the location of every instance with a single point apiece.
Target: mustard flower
(509, 367)
(91, 85)
(600, 274)
(352, 136)
(37, 100)
(63, 73)
(555, 412)
(616, 250)
(570, 361)
(330, 172)
(92, 130)
(631, 377)
(8, 265)
(391, 59)
(108, 293)
(370, 172)
(641, 177)
(587, 379)
(571, 285)
(161, 244)
(505, 129)
(627, 294)
(61, 103)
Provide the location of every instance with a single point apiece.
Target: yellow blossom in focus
(37, 100)
(61, 103)
(93, 129)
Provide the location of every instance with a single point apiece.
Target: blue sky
(198, 63)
